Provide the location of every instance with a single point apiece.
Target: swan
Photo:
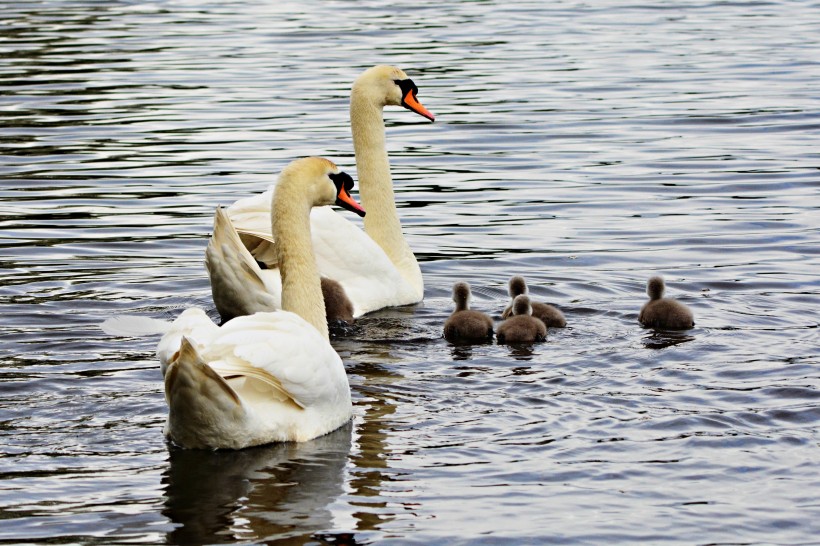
(664, 313)
(271, 376)
(466, 325)
(522, 327)
(376, 267)
(549, 315)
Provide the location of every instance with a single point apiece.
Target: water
(585, 146)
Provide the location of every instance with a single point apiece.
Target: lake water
(584, 145)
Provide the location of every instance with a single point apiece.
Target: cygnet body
(548, 314)
(338, 306)
(522, 326)
(466, 325)
(664, 313)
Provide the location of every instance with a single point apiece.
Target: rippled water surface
(584, 145)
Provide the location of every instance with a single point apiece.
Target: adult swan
(271, 376)
(375, 267)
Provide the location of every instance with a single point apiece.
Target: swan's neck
(376, 187)
(301, 284)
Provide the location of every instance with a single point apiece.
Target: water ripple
(584, 146)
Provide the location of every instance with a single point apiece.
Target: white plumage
(343, 251)
(269, 376)
(375, 266)
(276, 380)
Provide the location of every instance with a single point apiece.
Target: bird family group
(283, 264)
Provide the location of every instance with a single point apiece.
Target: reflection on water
(663, 339)
(287, 492)
(280, 491)
(585, 146)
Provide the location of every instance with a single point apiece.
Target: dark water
(586, 146)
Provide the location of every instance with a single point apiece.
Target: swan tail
(134, 326)
(203, 408)
(189, 366)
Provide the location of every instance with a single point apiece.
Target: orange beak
(410, 102)
(344, 200)
(344, 183)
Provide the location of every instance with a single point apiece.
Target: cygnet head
(522, 305)
(655, 288)
(461, 295)
(386, 85)
(518, 286)
(319, 181)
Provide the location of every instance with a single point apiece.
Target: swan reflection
(327, 490)
(279, 490)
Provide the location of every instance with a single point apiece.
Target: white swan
(270, 376)
(376, 267)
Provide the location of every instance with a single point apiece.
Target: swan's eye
(407, 86)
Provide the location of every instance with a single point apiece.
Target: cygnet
(466, 325)
(664, 313)
(548, 314)
(522, 326)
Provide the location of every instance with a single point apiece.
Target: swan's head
(322, 183)
(461, 295)
(518, 286)
(389, 86)
(655, 288)
(521, 305)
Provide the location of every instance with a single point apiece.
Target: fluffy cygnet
(522, 326)
(338, 306)
(466, 325)
(548, 314)
(664, 313)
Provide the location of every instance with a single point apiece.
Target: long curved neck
(301, 284)
(376, 186)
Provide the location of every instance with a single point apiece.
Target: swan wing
(345, 253)
(192, 324)
(281, 353)
(251, 217)
(238, 285)
(134, 326)
(261, 246)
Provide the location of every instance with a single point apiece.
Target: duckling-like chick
(548, 314)
(664, 313)
(466, 325)
(337, 305)
(522, 326)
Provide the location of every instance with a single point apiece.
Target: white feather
(134, 326)
(376, 268)
(262, 377)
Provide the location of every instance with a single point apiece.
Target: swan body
(522, 327)
(262, 378)
(664, 313)
(382, 272)
(465, 324)
(549, 315)
(269, 376)
(343, 252)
